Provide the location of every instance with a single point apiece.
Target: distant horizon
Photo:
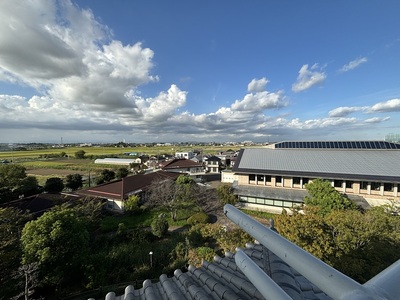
(89, 143)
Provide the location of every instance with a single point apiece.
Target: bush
(198, 218)
(197, 255)
(54, 185)
(159, 227)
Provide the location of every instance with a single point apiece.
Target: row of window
(375, 186)
(271, 202)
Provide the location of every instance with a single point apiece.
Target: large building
(273, 178)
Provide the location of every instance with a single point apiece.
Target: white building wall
(228, 176)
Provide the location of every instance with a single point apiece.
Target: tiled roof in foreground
(273, 268)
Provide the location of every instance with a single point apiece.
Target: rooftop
(130, 184)
(337, 163)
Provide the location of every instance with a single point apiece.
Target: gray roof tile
(221, 279)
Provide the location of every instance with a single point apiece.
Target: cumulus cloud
(308, 77)
(320, 123)
(392, 105)
(345, 111)
(71, 56)
(257, 85)
(353, 64)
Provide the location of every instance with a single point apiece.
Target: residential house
(274, 178)
(182, 165)
(226, 157)
(116, 192)
(184, 154)
(213, 164)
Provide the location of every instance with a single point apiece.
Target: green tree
(131, 205)
(225, 194)
(326, 197)
(11, 223)
(28, 186)
(58, 241)
(159, 226)
(53, 185)
(121, 173)
(359, 244)
(80, 154)
(105, 176)
(74, 181)
(11, 175)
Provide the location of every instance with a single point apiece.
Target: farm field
(18, 156)
(38, 165)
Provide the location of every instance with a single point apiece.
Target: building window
(375, 186)
(260, 177)
(252, 177)
(296, 180)
(349, 184)
(363, 185)
(388, 187)
(337, 183)
(306, 180)
(278, 180)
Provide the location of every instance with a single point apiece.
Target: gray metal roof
(356, 163)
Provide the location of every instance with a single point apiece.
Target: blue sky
(164, 71)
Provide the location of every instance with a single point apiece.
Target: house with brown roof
(116, 192)
(182, 165)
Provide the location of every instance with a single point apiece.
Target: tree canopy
(54, 185)
(11, 223)
(80, 154)
(121, 173)
(58, 241)
(73, 181)
(225, 195)
(323, 195)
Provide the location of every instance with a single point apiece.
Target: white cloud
(376, 120)
(162, 107)
(259, 101)
(392, 105)
(353, 64)
(321, 123)
(345, 111)
(71, 57)
(88, 83)
(308, 77)
(256, 86)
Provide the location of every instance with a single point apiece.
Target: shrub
(198, 218)
(159, 227)
(197, 255)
